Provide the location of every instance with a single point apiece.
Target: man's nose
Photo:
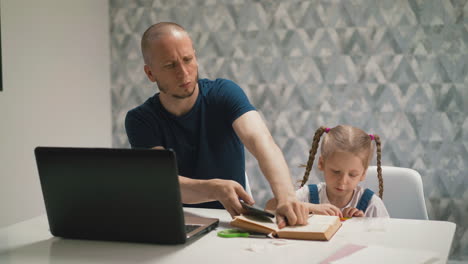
(182, 70)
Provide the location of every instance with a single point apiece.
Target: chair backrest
(247, 185)
(403, 191)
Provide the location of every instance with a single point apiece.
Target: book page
(264, 221)
(316, 224)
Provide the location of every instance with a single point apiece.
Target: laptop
(109, 194)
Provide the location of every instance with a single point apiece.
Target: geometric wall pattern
(396, 68)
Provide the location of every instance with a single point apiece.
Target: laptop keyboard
(190, 228)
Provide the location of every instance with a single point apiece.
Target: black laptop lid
(112, 194)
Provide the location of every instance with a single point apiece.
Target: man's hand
(271, 205)
(228, 193)
(292, 211)
(324, 209)
(352, 212)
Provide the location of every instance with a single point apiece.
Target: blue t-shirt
(203, 139)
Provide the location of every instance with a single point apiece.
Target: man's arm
(227, 192)
(257, 139)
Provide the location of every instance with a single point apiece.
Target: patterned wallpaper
(396, 68)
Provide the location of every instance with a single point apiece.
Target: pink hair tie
(327, 130)
(371, 137)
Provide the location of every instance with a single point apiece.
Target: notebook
(116, 195)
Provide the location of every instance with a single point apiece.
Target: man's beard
(164, 89)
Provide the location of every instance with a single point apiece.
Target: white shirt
(376, 207)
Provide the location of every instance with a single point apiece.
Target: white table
(31, 242)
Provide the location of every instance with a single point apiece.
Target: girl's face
(342, 171)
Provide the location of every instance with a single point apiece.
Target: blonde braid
(379, 163)
(313, 150)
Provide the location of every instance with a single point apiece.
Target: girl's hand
(352, 212)
(324, 209)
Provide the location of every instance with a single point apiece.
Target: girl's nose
(342, 179)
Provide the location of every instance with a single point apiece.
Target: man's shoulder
(219, 90)
(208, 85)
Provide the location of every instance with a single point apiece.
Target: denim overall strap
(313, 194)
(364, 201)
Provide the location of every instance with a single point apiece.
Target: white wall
(56, 80)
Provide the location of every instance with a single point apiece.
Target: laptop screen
(112, 194)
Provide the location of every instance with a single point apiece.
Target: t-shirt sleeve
(302, 194)
(139, 132)
(376, 208)
(232, 100)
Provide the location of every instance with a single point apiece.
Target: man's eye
(336, 171)
(169, 66)
(187, 60)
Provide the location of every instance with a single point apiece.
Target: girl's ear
(321, 166)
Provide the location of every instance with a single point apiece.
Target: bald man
(207, 123)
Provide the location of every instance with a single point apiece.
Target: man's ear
(321, 166)
(149, 73)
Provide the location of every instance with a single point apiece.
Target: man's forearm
(227, 192)
(195, 191)
(275, 169)
(257, 139)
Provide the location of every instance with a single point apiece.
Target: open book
(319, 227)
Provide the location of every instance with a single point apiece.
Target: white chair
(247, 185)
(403, 191)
